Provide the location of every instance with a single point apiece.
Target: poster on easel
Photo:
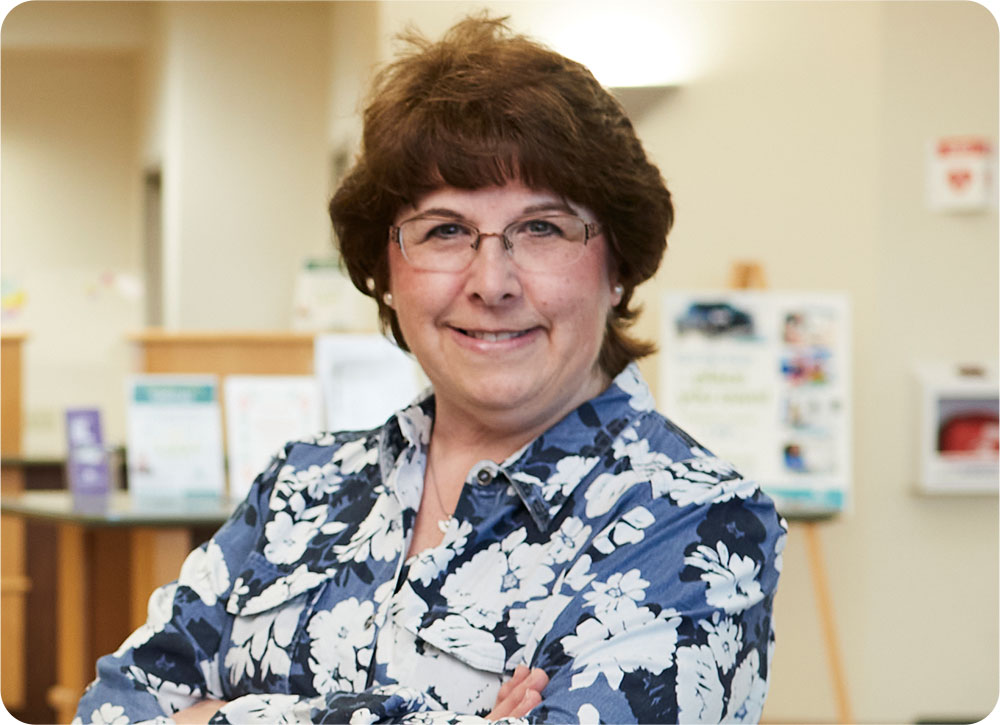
(763, 379)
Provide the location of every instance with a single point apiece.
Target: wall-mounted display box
(959, 429)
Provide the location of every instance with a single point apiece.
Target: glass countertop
(117, 509)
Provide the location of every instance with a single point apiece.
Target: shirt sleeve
(170, 662)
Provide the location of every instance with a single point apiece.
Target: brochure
(86, 460)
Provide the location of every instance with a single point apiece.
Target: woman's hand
(520, 694)
(199, 713)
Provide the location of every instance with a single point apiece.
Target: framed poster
(174, 438)
(763, 380)
(263, 412)
(959, 429)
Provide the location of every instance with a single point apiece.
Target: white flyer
(762, 379)
(174, 438)
(263, 412)
(365, 378)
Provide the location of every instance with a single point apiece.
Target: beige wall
(795, 138)
(936, 299)
(245, 161)
(230, 102)
(70, 217)
(354, 44)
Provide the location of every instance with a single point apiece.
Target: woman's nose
(492, 276)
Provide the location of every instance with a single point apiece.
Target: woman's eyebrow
(531, 209)
(439, 212)
(549, 206)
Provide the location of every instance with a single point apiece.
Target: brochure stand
(750, 275)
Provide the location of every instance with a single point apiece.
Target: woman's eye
(540, 228)
(448, 231)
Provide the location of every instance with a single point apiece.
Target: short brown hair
(484, 106)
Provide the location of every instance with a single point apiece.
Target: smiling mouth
(494, 336)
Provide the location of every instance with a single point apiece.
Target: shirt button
(484, 477)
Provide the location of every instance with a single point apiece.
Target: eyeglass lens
(535, 244)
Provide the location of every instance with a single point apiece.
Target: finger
(531, 700)
(520, 673)
(504, 708)
(510, 693)
(536, 679)
(511, 696)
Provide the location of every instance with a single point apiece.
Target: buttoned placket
(381, 613)
(484, 472)
(388, 467)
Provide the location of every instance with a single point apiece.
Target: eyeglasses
(535, 244)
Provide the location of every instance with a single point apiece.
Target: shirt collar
(546, 471)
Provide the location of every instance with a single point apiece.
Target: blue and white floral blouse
(613, 552)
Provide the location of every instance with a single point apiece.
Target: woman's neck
(457, 435)
(472, 433)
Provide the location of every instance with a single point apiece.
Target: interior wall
(245, 164)
(354, 44)
(936, 301)
(70, 221)
(79, 25)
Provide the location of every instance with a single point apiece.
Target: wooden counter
(110, 558)
(224, 353)
(14, 582)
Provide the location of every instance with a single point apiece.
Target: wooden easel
(750, 275)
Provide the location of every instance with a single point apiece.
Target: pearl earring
(617, 291)
(387, 299)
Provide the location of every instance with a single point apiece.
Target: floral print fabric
(614, 552)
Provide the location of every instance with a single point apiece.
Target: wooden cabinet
(10, 394)
(14, 583)
(224, 353)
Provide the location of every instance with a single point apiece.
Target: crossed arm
(517, 697)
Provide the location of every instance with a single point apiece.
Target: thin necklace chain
(432, 482)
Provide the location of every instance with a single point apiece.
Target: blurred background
(168, 164)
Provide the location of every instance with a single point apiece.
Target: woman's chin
(503, 399)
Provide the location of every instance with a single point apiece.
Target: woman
(531, 522)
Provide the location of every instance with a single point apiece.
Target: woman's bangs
(446, 158)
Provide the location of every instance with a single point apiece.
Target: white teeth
(493, 336)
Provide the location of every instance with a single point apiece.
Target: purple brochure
(86, 461)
